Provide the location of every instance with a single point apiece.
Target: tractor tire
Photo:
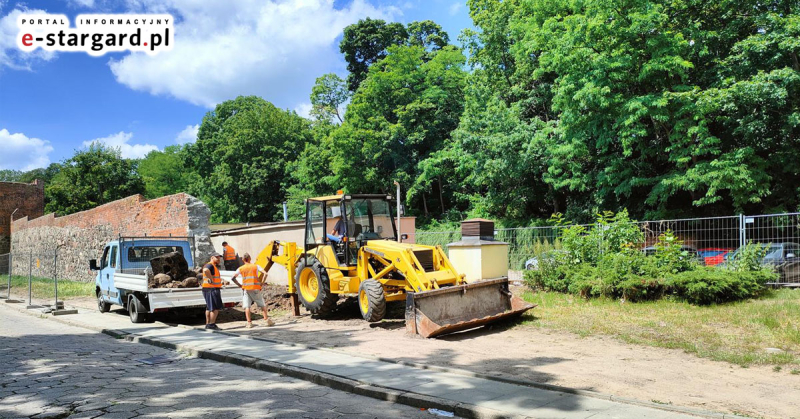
(314, 288)
(136, 310)
(102, 306)
(371, 300)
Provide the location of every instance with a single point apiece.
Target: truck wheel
(102, 306)
(371, 300)
(314, 288)
(136, 310)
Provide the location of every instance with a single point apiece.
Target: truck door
(107, 273)
(101, 274)
(113, 263)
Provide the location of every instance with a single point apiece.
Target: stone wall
(28, 201)
(81, 236)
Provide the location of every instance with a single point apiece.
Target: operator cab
(361, 217)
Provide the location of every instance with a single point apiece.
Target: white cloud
(304, 110)
(272, 49)
(21, 152)
(83, 3)
(188, 135)
(10, 55)
(120, 140)
(455, 8)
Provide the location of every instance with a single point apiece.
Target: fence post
(9, 274)
(30, 279)
(55, 276)
(742, 231)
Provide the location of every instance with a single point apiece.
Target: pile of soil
(275, 297)
(171, 270)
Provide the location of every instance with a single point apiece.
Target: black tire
(371, 300)
(325, 301)
(102, 306)
(136, 310)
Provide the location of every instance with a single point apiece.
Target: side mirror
(790, 256)
(93, 265)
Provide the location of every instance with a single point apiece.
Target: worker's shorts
(252, 296)
(213, 298)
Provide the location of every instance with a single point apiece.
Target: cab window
(113, 261)
(315, 223)
(104, 260)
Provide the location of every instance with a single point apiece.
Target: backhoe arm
(271, 255)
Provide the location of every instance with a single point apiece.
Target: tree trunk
(441, 198)
(425, 204)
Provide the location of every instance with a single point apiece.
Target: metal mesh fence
(713, 239)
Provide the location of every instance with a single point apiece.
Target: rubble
(171, 270)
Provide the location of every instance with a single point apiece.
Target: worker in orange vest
(251, 289)
(212, 293)
(229, 257)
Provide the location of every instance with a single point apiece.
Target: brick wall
(82, 236)
(26, 198)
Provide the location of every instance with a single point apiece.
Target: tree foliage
(92, 177)
(327, 97)
(163, 172)
(242, 158)
(663, 107)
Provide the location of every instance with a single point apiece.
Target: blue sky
(54, 103)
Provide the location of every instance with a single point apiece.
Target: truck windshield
(370, 218)
(145, 253)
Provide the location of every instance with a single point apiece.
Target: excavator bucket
(461, 307)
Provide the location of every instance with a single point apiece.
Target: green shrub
(604, 260)
(670, 255)
(749, 257)
(707, 284)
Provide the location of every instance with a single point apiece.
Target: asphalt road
(52, 370)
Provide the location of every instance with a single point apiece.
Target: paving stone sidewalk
(52, 370)
(495, 396)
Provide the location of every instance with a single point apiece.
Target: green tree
(365, 43)
(327, 97)
(404, 111)
(657, 106)
(92, 177)
(243, 156)
(427, 34)
(163, 172)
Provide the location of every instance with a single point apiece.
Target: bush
(707, 284)
(591, 265)
(671, 256)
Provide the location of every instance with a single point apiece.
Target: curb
(336, 382)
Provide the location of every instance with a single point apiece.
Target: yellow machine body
(437, 298)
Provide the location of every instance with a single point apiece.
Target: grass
(738, 333)
(43, 287)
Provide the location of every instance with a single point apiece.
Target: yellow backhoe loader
(351, 248)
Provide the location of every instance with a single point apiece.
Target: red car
(713, 255)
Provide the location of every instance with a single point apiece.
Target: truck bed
(175, 297)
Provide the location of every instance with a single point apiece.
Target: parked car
(783, 257)
(692, 252)
(713, 256)
(532, 264)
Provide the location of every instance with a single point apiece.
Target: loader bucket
(461, 307)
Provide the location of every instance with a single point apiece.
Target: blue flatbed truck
(121, 279)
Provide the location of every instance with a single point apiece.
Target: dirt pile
(171, 270)
(275, 297)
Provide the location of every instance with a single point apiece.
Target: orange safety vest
(250, 280)
(228, 253)
(213, 281)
